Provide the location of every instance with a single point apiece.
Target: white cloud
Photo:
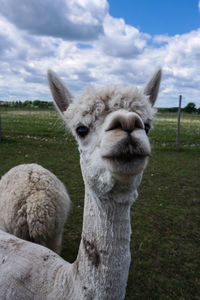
(67, 19)
(112, 53)
(181, 65)
(161, 39)
(121, 40)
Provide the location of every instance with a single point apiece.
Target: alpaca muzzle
(125, 155)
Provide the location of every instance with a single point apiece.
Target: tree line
(27, 104)
(189, 108)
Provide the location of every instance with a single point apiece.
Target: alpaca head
(111, 126)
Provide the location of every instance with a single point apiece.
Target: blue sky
(155, 17)
(99, 42)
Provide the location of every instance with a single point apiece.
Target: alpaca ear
(151, 88)
(61, 95)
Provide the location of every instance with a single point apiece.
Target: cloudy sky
(99, 42)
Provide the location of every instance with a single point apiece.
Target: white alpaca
(111, 126)
(34, 205)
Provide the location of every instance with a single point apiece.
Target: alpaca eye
(82, 131)
(146, 128)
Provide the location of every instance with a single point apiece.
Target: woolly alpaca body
(33, 205)
(111, 126)
(38, 273)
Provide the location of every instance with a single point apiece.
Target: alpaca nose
(126, 122)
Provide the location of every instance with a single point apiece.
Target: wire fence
(164, 134)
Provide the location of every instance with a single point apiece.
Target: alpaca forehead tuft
(95, 104)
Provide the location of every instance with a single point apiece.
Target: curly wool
(94, 104)
(34, 205)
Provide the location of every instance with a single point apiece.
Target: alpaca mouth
(126, 151)
(125, 158)
(128, 156)
(126, 164)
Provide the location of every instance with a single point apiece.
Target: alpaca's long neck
(104, 255)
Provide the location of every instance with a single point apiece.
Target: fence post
(0, 128)
(178, 124)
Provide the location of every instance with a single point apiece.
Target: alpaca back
(33, 204)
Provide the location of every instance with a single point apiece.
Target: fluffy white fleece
(34, 205)
(95, 104)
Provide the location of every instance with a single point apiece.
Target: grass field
(165, 242)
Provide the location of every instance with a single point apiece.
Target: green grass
(165, 241)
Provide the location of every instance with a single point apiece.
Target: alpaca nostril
(126, 123)
(139, 123)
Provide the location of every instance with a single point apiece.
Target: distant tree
(27, 103)
(167, 109)
(198, 110)
(190, 108)
(18, 104)
(50, 105)
(36, 103)
(42, 104)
